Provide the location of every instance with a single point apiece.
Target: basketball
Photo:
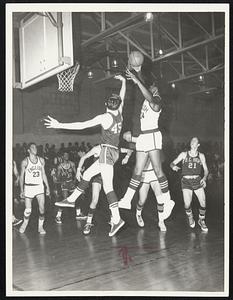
(136, 59)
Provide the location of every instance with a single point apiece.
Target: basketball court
(63, 65)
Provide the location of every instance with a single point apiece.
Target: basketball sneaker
(123, 203)
(116, 227)
(58, 220)
(162, 225)
(41, 230)
(16, 222)
(22, 228)
(81, 216)
(191, 220)
(202, 224)
(168, 207)
(87, 228)
(65, 203)
(139, 220)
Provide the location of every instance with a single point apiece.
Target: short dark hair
(113, 102)
(29, 145)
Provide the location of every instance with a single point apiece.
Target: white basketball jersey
(33, 172)
(148, 117)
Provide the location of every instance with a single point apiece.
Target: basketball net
(66, 78)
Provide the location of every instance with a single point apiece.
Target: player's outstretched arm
(146, 93)
(122, 91)
(53, 123)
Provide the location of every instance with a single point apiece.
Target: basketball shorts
(149, 141)
(68, 186)
(97, 179)
(191, 183)
(108, 155)
(148, 176)
(30, 191)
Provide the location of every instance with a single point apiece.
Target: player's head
(65, 156)
(194, 143)
(32, 149)
(135, 61)
(113, 102)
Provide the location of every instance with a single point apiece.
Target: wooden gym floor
(182, 259)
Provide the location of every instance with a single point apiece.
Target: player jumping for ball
(148, 144)
(111, 123)
(149, 179)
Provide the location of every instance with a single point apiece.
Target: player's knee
(107, 188)
(87, 176)
(27, 212)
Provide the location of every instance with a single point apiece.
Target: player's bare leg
(27, 213)
(143, 193)
(187, 194)
(41, 203)
(107, 177)
(155, 157)
(96, 188)
(93, 170)
(200, 193)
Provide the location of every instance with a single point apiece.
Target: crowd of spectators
(214, 154)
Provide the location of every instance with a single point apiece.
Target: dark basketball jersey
(66, 172)
(191, 165)
(111, 135)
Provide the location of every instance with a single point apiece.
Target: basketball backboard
(46, 46)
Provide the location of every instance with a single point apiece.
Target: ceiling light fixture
(160, 52)
(149, 17)
(90, 74)
(114, 63)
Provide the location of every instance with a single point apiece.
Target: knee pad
(27, 212)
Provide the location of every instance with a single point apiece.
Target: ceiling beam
(184, 49)
(186, 77)
(104, 34)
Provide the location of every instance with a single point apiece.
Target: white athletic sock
(139, 212)
(59, 213)
(89, 219)
(72, 198)
(40, 223)
(78, 211)
(166, 196)
(128, 195)
(115, 213)
(133, 185)
(160, 199)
